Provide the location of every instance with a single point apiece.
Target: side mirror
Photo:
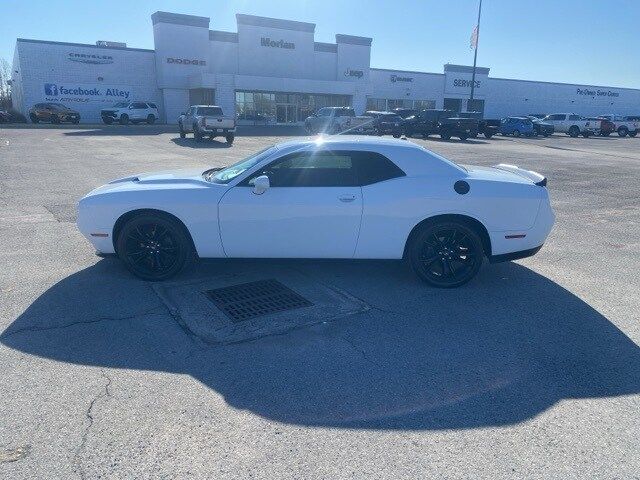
(261, 184)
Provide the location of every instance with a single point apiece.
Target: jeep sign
(353, 73)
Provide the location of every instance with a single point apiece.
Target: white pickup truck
(207, 121)
(623, 125)
(335, 120)
(572, 124)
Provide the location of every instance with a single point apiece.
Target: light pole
(475, 54)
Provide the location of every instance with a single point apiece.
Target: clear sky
(591, 42)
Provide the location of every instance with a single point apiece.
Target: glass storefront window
(264, 108)
(387, 104)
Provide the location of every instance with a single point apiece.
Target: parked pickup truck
(572, 124)
(623, 125)
(207, 121)
(486, 127)
(445, 123)
(335, 120)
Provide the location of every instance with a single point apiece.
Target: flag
(474, 38)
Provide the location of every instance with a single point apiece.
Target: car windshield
(229, 173)
(121, 105)
(209, 111)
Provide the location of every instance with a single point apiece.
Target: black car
(405, 112)
(486, 127)
(386, 123)
(445, 123)
(540, 127)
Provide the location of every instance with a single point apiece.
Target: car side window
(574, 117)
(152, 105)
(323, 168)
(138, 105)
(373, 167)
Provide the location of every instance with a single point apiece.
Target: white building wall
(404, 85)
(43, 63)
(176, 101)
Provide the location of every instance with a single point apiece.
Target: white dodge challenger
(325, 197)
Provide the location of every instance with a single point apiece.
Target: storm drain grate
(254, 299)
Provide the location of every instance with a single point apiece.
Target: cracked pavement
(532, 370)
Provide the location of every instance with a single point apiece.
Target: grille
(255, 299)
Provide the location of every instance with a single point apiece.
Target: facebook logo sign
(50, 89)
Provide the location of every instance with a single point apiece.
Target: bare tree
(5, 87)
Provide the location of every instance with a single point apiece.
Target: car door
(312, 209)
(138, 111)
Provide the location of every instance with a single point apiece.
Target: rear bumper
(507, 257)
(216, 131)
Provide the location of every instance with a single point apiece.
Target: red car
(606, 126)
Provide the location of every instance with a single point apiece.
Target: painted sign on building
(84, 93)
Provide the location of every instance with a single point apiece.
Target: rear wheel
(574, 131)
(633, 133)
(488, 135)
(516, 133)
(463, 137)
(154, 247)
(34, 118)
(396, 135)
(107, 120)
(623, 131)
(230, 138)
(124, 119)
(55, 119)
(182, 132)
(445, 136)
(446, 254)
(586, 134)
(151, 119)
(197, 134)
(605, 134)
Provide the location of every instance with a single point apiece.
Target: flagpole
(475, 55)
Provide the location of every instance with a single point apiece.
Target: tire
(546, 135)
(124, 119)
(151, 119)
(586, 134)
(196, 134)
(182, 132)
(633, 133)
(107, 120)
(516, 133)
(605, 134)
(75, 121)
(154, 247)
(464, 138)
(396, 135)
(446, 254)
(55, 119)
(230, 138)
(488, 135)
(445, 136)
(408, 133)
(34, 118)
(574, 131)
(623, 131)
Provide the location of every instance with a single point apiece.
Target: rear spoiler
(535, 177)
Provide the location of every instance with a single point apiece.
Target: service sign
(78, 93)
(459, 82)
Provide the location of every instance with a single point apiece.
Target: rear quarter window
(373, 167)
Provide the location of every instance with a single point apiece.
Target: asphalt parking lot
(532, 370)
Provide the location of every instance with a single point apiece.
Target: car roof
(346, 140)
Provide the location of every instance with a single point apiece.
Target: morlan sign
(267, 42)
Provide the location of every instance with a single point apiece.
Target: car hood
(168, 179)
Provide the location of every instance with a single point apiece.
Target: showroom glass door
(286, 113)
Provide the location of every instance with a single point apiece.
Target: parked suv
(134, 112)
(516, 126)
(336, 120)
(623, 125)
(540, 127)
(445, 123)
(53, 112)
(207, 121)
(573, 125)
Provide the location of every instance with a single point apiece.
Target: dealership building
(272, 71)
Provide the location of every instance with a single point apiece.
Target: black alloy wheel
(154, 247)
(446, 254)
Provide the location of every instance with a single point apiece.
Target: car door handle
(347, 198)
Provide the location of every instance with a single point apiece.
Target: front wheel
(107, 120)
(34, 118)
(154, 247)
(445, 136)
(55, 119)
(446, 254)
(586, 134)
(516, 133)
(183, 134)
(623, 131)
(463, 137)
(488, 135)
(396, 135)
(196, 134)
(230, 138)
(633, 133)
(124, 119)
(151, 119)
(574, 131)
